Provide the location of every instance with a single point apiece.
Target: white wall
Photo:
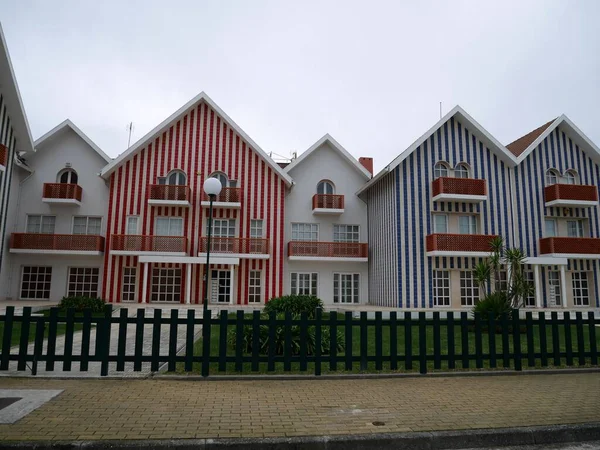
(326, 163)
(50, 158)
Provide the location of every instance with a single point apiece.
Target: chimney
(367, 163)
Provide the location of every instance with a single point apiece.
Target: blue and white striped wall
(6, 138)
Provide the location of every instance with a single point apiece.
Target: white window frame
(128, 226)
(581, 289)
(435, 228)
(223, 228)
(129, 285)
(170, 221)
(163, 275)
(302, 277)
(346, 233)
(87, 224)
(340, 288)
(552, 177)
(471, 224)
(440, 170)
(72, 176)
(554, 280)
(40, 228)
(47, 281)
(178, 175)
(256, 228)
(255, 287)
(530, 300)
(300, 232)
(441, 288)
(81, 275)
(324, 186)
(469, 289)
(461, 171)
(547, 222)
(578, 228)
(570, 177)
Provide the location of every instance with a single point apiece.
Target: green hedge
(80, 303)
(295, 304)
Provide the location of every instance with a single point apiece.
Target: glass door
(220, 286)
(554, 287)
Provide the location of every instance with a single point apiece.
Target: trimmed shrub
(496, 303)
(80, 303)
(295, 304)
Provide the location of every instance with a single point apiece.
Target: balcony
(3, 156)
(328, 251)
(230, 197)
(328, 204)
(245, 248)
(467, 190)
(571, 247)
(130, 244)
(62, 193)
(168, 195)
(571, 195)
(56, 244)
(459, 244)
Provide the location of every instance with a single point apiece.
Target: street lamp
(212, 187)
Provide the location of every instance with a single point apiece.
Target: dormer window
(325, 187)
(225, 182)
(440, 170)
(461, 171)
(552, 177)
(175, 178)
(570, 177)
(67, 176)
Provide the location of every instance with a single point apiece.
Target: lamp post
(212, 187)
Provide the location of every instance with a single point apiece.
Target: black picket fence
(250, 343)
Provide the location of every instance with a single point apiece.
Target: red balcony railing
(227, 195)
(72, 242)
(169, 192)
(3, 155)
(459, 242)
(459, 186)
(62, 191)
(328, 249)
(139, 243)
(328, 201)
(586, 246)
(235, 245)
(577, 192)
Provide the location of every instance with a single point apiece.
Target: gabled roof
(68, 124)
(202, 97)
(578, 137)
(490, 141)
(336, 146)
(520, 145)
(12, 98)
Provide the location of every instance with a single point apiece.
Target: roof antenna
(440, 110)
(130, 129)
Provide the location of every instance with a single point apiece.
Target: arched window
(461, 171)
(225, 182)
(68, 176)
(176, 178)
(552, 177)
(571, 177)
(325, 187)
(440, 170)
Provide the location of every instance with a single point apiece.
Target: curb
(441, 440)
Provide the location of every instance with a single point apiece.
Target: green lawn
(385, 340)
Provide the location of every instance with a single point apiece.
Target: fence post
(364, 333)
(580, 342)
(255, 340)
(348, 338)
(51, 349)
(303, 339)
(206, 331)
(543, 344)
(106, 325)
(69, 330)
(189, 340)
(7, 337)
(592, 333)
(378, 342)
(223, 316)
(139, 339)
(24, 338)
(450, 331)
(156, 326)
(478, 342)
(407, 341)
(174, 319)
(437, 341)
(333, 341)
(422, 343)
(555, 339)
(568, 338)
(271, 357)
(393, 340)
(287, 344)
(121, 344)
(85, 339)
(492, 339)
(505, 341)
(464, 339)
(239, 335)
(38, 344)
(530, 345)
(318, 325)
(516, 320)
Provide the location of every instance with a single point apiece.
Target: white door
(220, 286)
(554, 287)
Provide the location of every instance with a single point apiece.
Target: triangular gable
(578, 137)
(68, 124)
(486, 138)
(337, 147)
(202, 97)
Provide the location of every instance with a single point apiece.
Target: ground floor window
(441, 288)
(221, 286)
(529, 277)
(304, 283)
(581, 292)
(469, 290)
(166, 285)
(35, 282)
(83, 282)
(502, 282)
(346, 287)
(554, 288)
(129, 283)
(254, 287)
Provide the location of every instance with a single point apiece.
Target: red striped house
(157, 214)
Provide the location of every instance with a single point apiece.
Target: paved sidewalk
(173, 409)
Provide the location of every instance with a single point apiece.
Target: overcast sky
(370, 73)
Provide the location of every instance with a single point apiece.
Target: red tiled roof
(283, 165)
(520, 145)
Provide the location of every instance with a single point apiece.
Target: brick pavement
(172, 409)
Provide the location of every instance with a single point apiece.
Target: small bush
(295, 304)
(496, 303)
(80, 303)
